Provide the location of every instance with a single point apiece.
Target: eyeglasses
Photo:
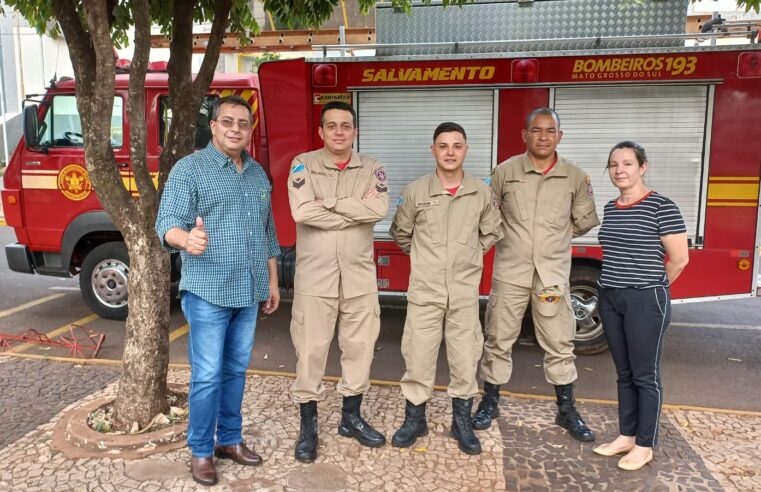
(243, 125)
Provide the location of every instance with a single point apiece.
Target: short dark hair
(639, 151)
(449, 126)
(545, 111)
(234, 100)
(338, 105)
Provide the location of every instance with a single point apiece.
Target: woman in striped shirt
(639, 229)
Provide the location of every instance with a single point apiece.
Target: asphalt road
(712, 354)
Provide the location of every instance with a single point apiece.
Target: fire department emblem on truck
(74, 182)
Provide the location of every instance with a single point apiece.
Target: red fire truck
(60, 226)
(694, 109)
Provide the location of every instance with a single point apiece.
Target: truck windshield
(62, 126)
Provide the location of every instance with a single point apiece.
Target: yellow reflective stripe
(716, 203)
(732, 191)
(715, 179)
(247, 94)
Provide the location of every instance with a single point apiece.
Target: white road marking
(718, 326)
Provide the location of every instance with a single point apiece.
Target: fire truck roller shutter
(397, 129)
(668, 121)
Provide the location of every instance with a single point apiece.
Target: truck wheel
(590, 338)
(103, 280)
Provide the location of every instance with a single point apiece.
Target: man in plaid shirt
(216, 211)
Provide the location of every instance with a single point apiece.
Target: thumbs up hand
(197, 238)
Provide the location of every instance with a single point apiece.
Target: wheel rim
(588, 323)
(109, 283)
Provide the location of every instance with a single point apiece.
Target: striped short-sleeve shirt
(632, 252)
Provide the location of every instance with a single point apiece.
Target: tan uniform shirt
(541, 213)
(446, 237)
(334, 224)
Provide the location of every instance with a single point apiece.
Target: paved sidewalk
(700, 450)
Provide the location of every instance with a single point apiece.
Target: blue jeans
(219, 349)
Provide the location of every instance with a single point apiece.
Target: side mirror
(31, 127)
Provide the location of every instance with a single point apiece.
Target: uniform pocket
(297, 316)
(297, 330)
(427, 221)
(549, 301)
(560, 214)
(513, 203)
(468, 223)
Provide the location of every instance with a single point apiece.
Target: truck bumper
(19, 259)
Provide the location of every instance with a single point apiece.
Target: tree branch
(96, 111)
(136, 109)
(179, 67)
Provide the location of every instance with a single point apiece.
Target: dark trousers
(635, 322)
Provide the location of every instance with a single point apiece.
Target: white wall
(39, 59)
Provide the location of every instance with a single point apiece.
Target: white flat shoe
(630, 465)
(607, 450)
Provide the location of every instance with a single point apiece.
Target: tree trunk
(142, 386)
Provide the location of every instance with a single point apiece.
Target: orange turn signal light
(743, 264)
(11, 200)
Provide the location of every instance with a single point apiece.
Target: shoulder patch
(495, 201)
(381, 187)
(380, 173)
(588, 181)
(399, 201)
(298, 168)
(487, 180)
(298, 182)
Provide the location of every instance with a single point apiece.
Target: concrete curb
(75, 439)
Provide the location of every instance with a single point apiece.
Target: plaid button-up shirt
(237, 214)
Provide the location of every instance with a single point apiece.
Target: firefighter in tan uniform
(446, 221)
(545, 202)
(336, 197)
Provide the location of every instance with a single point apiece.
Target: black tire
(590, 337)
(103, 280)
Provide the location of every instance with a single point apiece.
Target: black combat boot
(461, 429)
(414, 426)
(488, 409)
(306, 447)
(353, 425)
(568, 417)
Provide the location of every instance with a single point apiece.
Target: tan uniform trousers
(554, 325)
(423, 331)
(313, 324)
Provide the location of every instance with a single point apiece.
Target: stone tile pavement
(26, 401)
(699, 450)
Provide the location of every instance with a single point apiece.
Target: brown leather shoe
(239, 453)
(203, 470)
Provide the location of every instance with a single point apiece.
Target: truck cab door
(54, 178)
